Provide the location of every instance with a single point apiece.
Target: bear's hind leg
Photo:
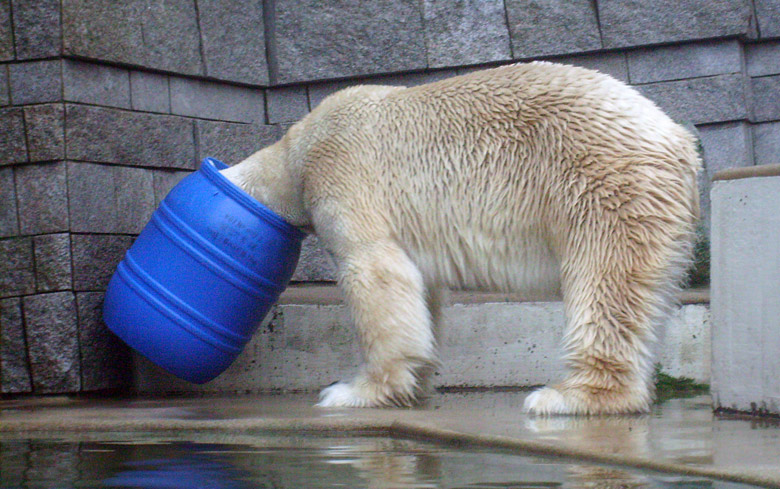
(387, 297)
(615, 288)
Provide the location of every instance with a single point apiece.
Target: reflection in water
(686, 436)
(605, 477)
(389, 464)
(197, 468)
(290, 462)
(621, 434)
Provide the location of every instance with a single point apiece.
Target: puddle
(148, 461)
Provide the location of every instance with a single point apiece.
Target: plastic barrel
(201, 276)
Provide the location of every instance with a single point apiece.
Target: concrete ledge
(329, 294)
(486, 341)
(747, 172)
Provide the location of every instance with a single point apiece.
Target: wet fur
(533, 177)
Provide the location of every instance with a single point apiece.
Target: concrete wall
(105, 105)
(746, 293)
(482, 345)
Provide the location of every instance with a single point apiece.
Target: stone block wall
(105, 105)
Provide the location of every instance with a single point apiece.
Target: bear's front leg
(387, 297)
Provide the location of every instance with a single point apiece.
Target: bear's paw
(342, 394)
(547, 401)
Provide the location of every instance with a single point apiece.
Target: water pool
(155, 461)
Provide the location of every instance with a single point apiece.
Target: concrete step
(487, 340)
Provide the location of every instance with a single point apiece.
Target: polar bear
(530, 177)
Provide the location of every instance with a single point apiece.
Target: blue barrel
(201, 276)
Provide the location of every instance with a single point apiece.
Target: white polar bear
(538, 176)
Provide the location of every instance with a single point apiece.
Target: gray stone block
(35, 82)
(232, 143)
(315, 264)
(408, 79)
(11, 454)
(164, 181)
(137, 32)
(150, 92)
(208, 100)
(719, 98)
(6, 33)
(766, 102)
(723, 146)
(42, 196)
(134, 189)
(763, 58)
(45, 463)
(37, 28)
(95, 257)
(17, 268)
(463, 32)
(91, 198)
(768, 13)
(109, 199)
(106, 362)
(115, 136)
(13, 148)
(465, 70)
(320, 91)
(5, 96)
(52, 339)
(726, 145)
(45, 132)
(347, 38)
(9, 220)
(684, 61)
(613, 64)
(287, 104)
(96, 84)
(627, 23)
(52, 262)
(766, 141)
(13, 349)
(545, 28)
(233, 37)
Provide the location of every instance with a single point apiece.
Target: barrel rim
(210, 168)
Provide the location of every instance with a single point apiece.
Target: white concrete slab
(746, 293)
(305, 347)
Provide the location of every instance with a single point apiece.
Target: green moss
(699, 272)
(668, 387)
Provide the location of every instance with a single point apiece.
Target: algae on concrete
(669, 387)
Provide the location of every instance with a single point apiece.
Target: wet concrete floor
(680, 436)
